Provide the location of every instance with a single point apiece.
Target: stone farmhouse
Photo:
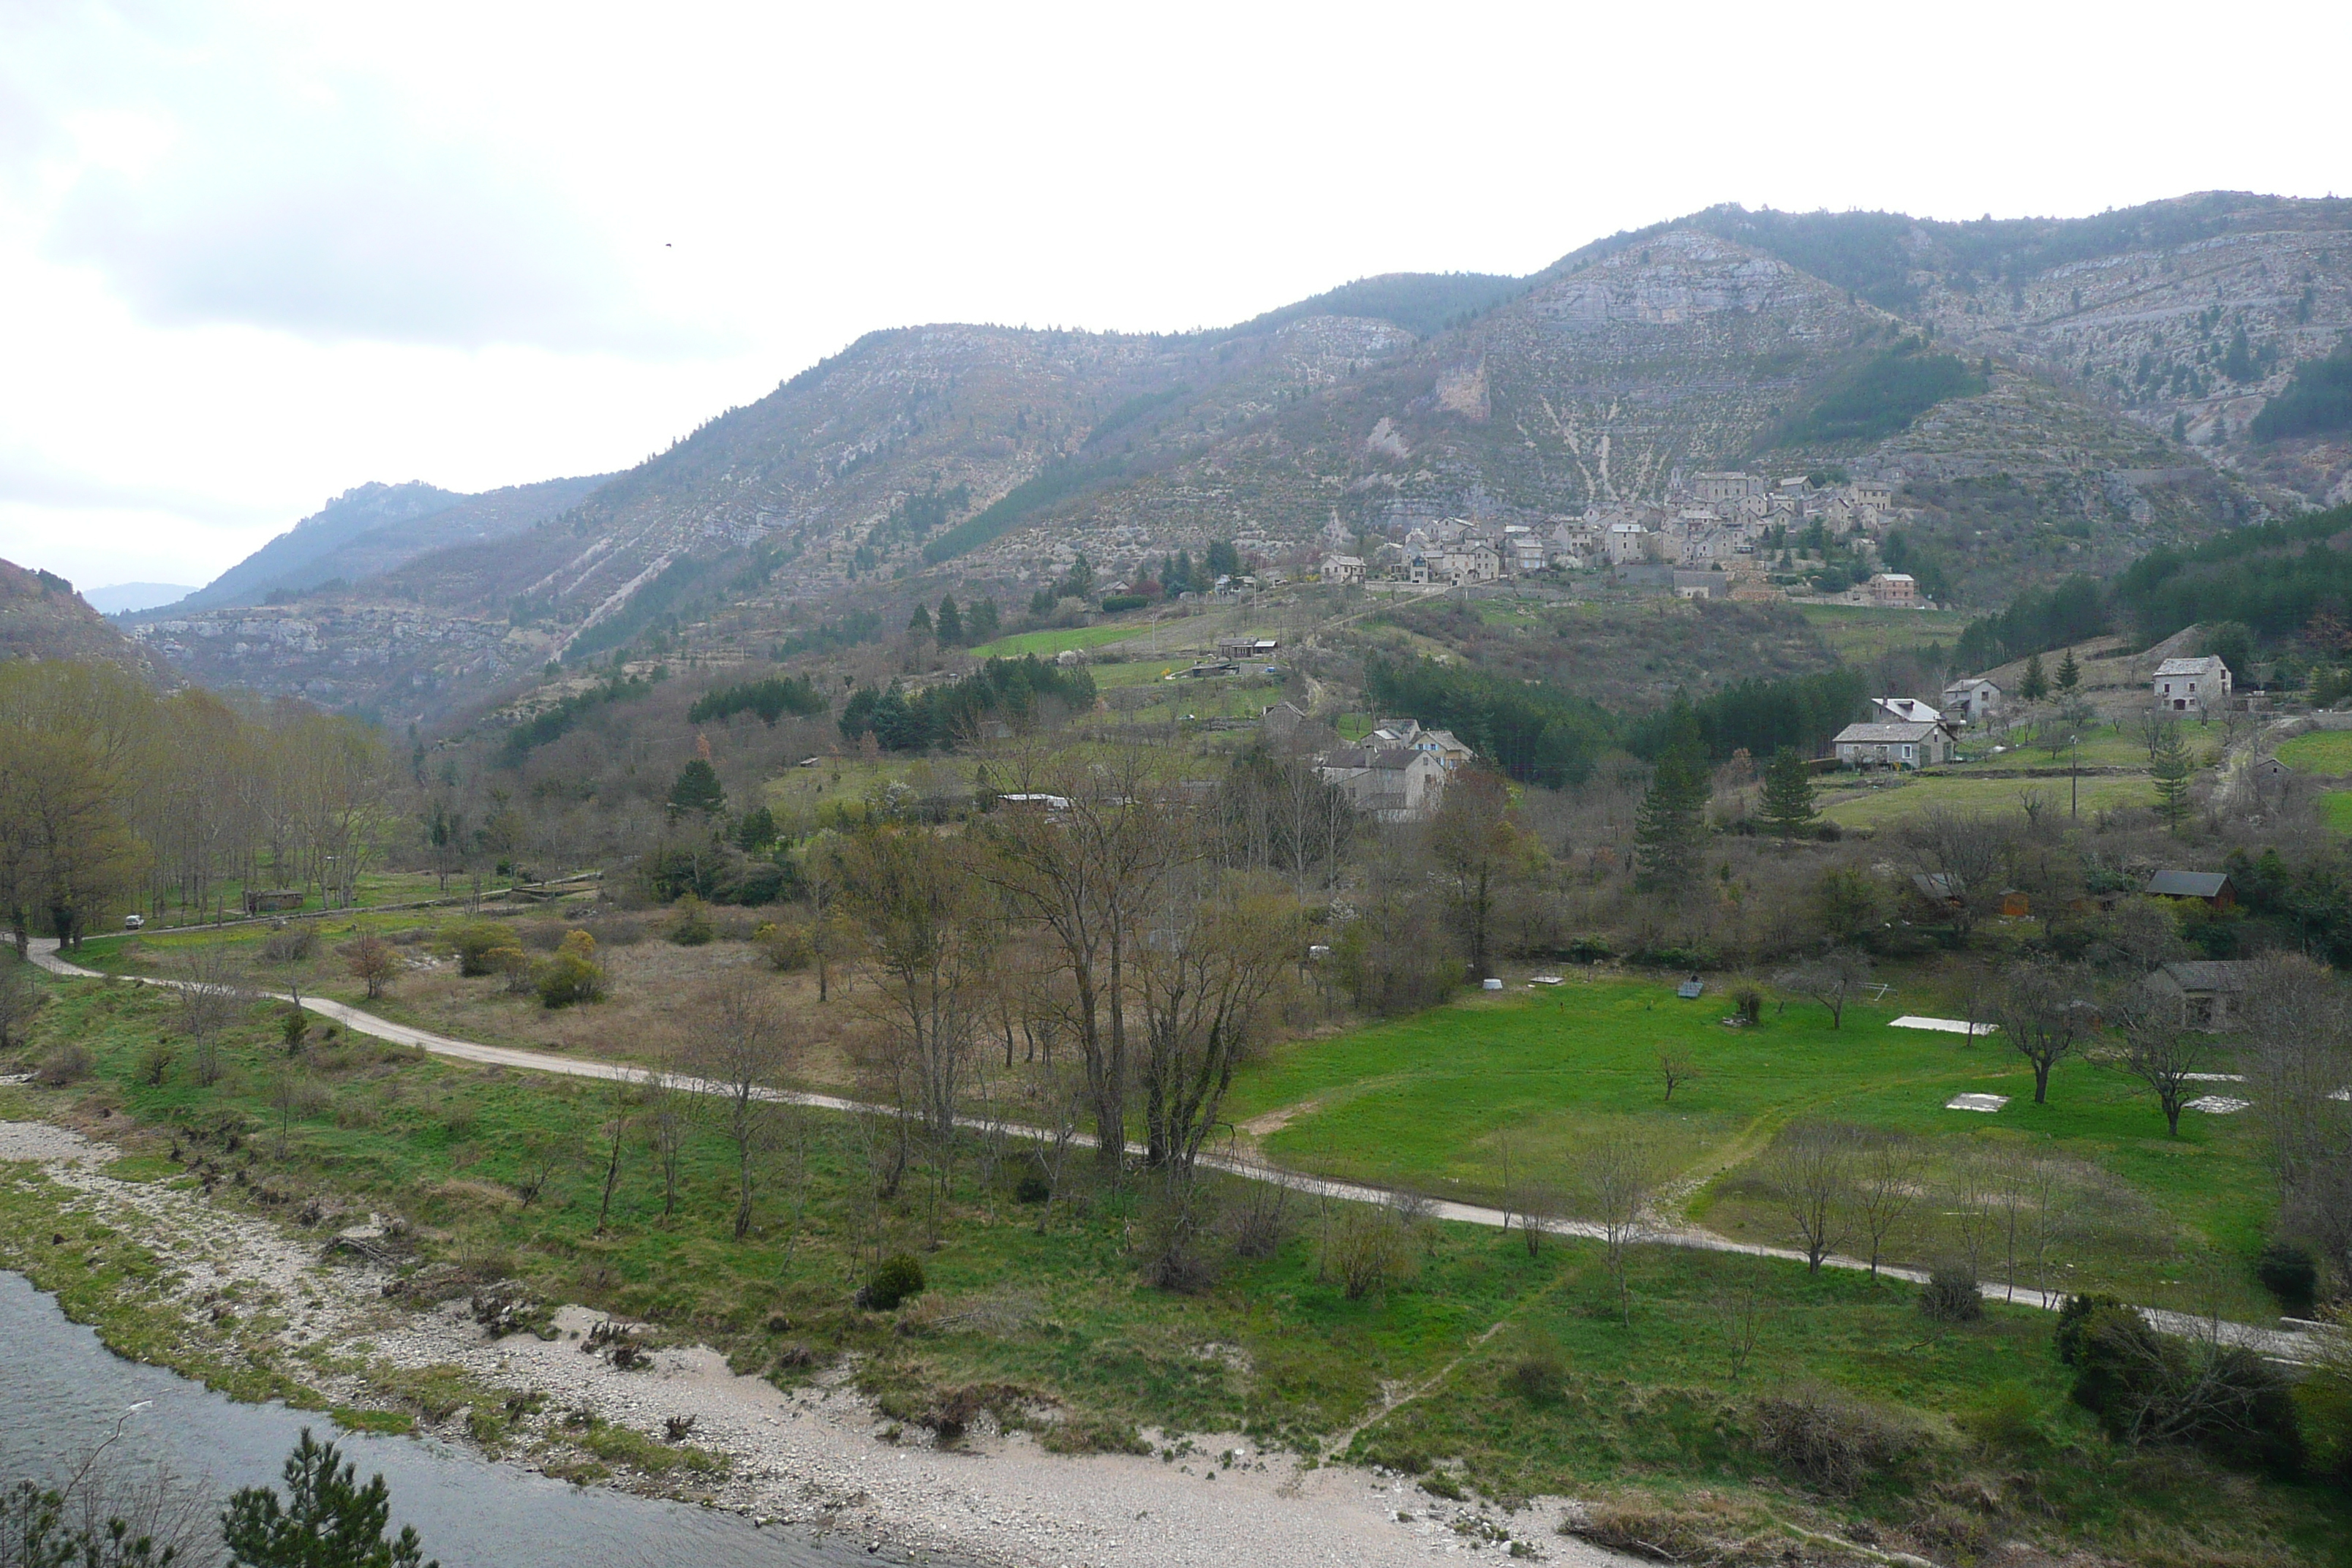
(1397, 773)
(1917, 744)
(2192, 685)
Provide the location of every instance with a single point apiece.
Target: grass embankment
(2320, 752)
(1858, 633)
(1441, 1101)
(1526, 1381)
(1890, 798)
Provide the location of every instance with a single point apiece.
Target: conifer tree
(2169, 765)
(328, 1520)
(950, 627)
(1668, 832)
(2035, 686)
(2070, 674)
(920, 621)
(1788, 794)
(980, 624)
(698, 789)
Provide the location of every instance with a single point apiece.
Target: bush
(1366, 1249)
(1539, 1375)
(2149, 1388)
(572, 974)
(2073, 1318)
(693, 927)
(1828, 1439)
(1950, 1295)
(1119, 603)
(788, 947)
(895, 1279)
(475, 942)
(1748, 1005)
(1032, 1188)
(2289, 1272)
(66, 1063)
(297, 942)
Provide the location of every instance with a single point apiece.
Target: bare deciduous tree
(1886, 1172)
(1963, 862)
(1675, 1070)
(1830, 979)
(1213, 952)
(617, 1132)
(1811, 1169)
(930, 930)
(1082, 857)
(1615, 1172)
(742, 1045)
(211, 993)
(2301, 1030)
(2042, 1013)
(668, 1119)
(2158, 1049)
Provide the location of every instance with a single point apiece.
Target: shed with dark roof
(2213, 886)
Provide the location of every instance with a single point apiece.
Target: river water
(64, 1393)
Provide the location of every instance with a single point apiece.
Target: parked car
(133, 923)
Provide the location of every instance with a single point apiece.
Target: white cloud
(257, 251)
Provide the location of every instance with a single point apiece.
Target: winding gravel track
(2278, 1344)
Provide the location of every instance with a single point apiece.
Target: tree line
(112, 793)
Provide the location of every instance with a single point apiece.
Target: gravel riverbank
(817, 1458)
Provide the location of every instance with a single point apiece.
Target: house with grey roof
(2192, 685)
(1388, 784)
(1898, 745)
(2210, 995)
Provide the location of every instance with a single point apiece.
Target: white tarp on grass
(2216, 1104)
(1985, 1102)
(1948, 1025)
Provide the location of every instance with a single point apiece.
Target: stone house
(1388, 784)
(1972, 701)
(2192, 685)
(2210, 994)
(1343, 568)
(1896, 590)
(1915, 745)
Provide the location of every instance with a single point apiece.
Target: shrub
(1950, 1295)
(66, 1063)
(1748, 1005)
(297, 942)
(2073, 1318)
(1032, 1188)
(788, 947)
(1539, 1375)
(2289, 1272)
(1118, 603)
(572, 974)
(156, 1063)
(475, 942)
(1365, 1249)
(894, 1278)
(2149, 1388)
(693, 927)
(514, 963)
(1828, 1440)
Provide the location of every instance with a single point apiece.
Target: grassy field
(371, 889)
(1894, 796)
(1521, 1377)
(1859, 632)
(2320, 752)
(1443, 1100)
(1061, 640)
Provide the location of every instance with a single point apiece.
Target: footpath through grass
(1442, 1101)
(1523, 1378)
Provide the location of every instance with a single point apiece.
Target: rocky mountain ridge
(2093, 404)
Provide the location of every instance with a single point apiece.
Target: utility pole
(2075, 778)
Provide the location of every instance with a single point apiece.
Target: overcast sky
(252, 254)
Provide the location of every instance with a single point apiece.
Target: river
(64, 1391)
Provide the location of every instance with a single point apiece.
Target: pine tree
(980, 624)
(328, 1520)
(2169, 765)
(920, 621)
(2069, 675)
(1788, 794)
(951, 621)
(1668, 833)
(698, 789)
(2035, 686)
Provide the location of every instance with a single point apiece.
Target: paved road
(2275, 1342)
